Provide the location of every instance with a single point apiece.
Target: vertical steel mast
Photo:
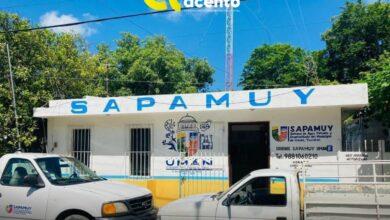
(229, 55)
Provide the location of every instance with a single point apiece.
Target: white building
(211, 139)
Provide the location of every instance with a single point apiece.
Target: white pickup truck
(44, 186)
(276, 195)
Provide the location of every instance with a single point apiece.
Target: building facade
(177, 145)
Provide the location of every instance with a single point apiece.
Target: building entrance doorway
(248, 148)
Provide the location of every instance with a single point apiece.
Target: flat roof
(352, 96)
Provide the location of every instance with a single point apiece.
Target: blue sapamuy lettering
(179, 102)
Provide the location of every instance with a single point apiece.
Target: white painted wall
(110, 135)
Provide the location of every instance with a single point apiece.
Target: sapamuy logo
(18, 209)
(281, 135)
(9, 209)
(161, 5)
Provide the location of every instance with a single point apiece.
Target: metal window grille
(140, 151)
(81, 143)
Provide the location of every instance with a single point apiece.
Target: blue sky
(196, 33)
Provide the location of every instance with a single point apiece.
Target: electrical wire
(145, 81)
(117, 80)
(151, 33)
(68, 101)
(94, 20)
(307, 39)
(264, 26)
(100, 20)
(294, 22)
(33, 5)
(132, 22)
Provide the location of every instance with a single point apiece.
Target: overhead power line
(130, 97)
(103, 79)
(34, 4)
(93, 21)
(99, 20)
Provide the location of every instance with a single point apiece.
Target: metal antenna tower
(229, 56)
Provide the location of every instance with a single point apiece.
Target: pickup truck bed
(349, 198)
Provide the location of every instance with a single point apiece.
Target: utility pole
(13, 98)
(229, 55)
(311, 71)
(106, 80)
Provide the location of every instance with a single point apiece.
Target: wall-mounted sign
(294, 144)
(357, 156)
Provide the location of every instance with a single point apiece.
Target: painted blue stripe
(320, 180)
(193, 177)
(165, 177)
(308, 180)
(123, 177)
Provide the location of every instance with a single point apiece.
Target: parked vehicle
(276, 194)
(44, 186)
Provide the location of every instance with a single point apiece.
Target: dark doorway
(248, 148)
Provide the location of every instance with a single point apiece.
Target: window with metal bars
(81, 144)
(140, 145)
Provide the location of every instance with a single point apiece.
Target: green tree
(279, 64)
(378, 80)
(46, 66)
(153, 66)
(360, 33)
(50, 66)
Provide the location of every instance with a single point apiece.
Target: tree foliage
(279, 64)
(41, 63)
(378, 80)
(50, 66)
(358, 41)
(153, 66)
(360, 33)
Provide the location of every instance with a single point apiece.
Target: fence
(198, 180)
(361, 190)
(367, 145)
(191, 177)
(201, 173)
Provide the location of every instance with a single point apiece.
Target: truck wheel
(76, 217)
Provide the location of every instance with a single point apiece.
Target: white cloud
(89, 16)
(173, 16)
(53, 18)
(199, 14)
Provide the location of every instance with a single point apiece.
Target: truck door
(18, 200)
(259, 198)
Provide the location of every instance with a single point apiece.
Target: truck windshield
(223, 193)
(66, 171)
